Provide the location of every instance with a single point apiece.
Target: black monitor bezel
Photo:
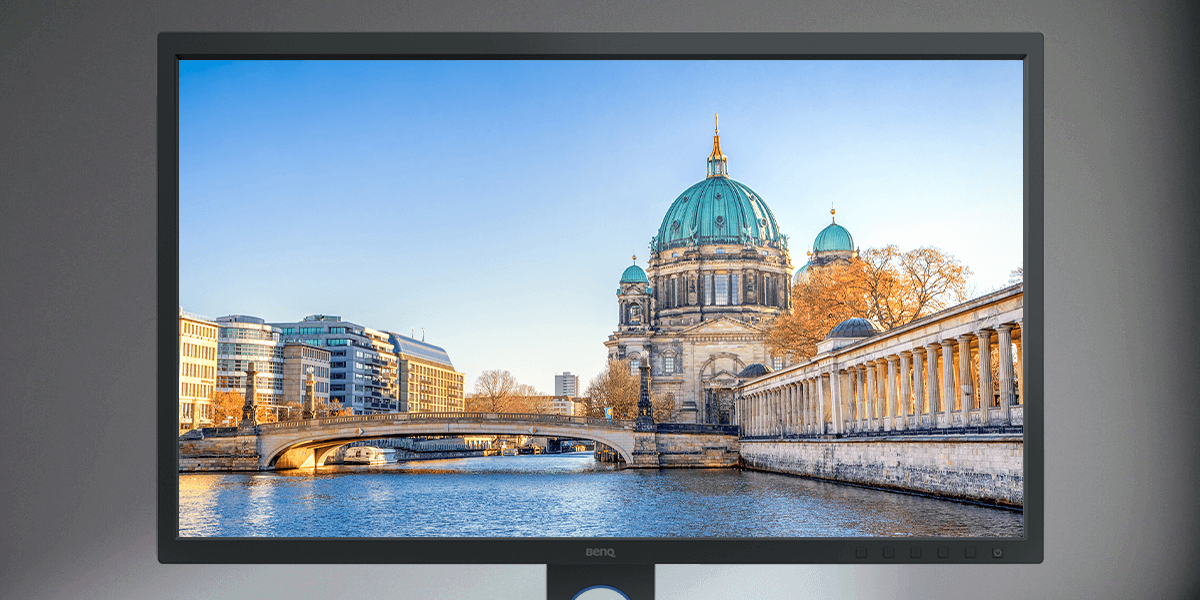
(175, 46)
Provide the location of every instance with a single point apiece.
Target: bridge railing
(443, 416)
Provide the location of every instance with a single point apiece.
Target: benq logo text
(609, 552)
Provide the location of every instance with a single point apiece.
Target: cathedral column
(985, 376)
(1006, 372)
(965, 401)
(918, 387)
(932, 373)
(906, 401)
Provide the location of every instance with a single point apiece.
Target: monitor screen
(713, 298)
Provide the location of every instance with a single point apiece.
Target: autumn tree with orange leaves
(885, 285)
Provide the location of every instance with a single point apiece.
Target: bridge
(309, 443)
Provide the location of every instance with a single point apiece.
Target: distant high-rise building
(197, 370)
(566, 385)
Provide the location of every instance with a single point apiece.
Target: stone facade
(981, 468)
(719, 270)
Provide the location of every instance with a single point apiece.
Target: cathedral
(718, 272)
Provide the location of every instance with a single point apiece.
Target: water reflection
(561, 496)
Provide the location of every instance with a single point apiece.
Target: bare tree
(493, 391)
(883, 284)
(615, 387)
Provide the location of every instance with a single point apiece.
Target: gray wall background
(77, 208)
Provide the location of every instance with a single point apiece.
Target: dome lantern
(718, 163)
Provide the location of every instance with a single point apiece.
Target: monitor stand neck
(565, 582)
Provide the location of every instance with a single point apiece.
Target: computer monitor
(828, 351)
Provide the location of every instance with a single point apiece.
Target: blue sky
(495, 204)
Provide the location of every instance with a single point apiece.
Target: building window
(722, 289)
(777, 363)
(708, 290)
(668, 364)
(634, 365)
(733, 288)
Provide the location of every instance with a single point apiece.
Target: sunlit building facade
(197, 370)
(428, 381)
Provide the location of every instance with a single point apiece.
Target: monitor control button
(889, 552)
(997, 552)
(969, 552)
(943, 552)
(860, 552)
(914, 552)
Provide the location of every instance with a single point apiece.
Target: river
(568, 495)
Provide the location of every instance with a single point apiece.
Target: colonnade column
(948, 392)
(852, 399)
(1020, 363)
(1004, 342)
(965, 402)
(862, 397)
(918, 387)
(870, 395)
(892, 399)
(905, 391)
(820, 404)
(835, 394)
(932, 375)
(984, 393)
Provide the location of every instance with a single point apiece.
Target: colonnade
(965, 376)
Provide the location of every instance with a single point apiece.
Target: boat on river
(369, 455)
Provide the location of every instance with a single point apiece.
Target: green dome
(634, 274)
(801, 273)
(718, 210)
(834, 237)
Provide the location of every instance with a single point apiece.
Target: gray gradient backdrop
(77, 208)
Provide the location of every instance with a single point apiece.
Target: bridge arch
(296, 439)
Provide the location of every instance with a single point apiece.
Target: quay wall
(224, 453)
(980, 468)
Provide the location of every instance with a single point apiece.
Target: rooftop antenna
(422, 334)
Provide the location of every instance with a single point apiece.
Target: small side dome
(634, 274)
(754, 370)
(833, 238)
(855, 328)
(801, 274)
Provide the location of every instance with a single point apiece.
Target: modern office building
(363, 369)
(243, 339)
(566, 384)
(197, 370)
(299, 360)
(428, 381)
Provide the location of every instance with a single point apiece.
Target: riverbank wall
(984, 468)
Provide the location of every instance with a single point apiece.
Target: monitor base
(565, 582)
